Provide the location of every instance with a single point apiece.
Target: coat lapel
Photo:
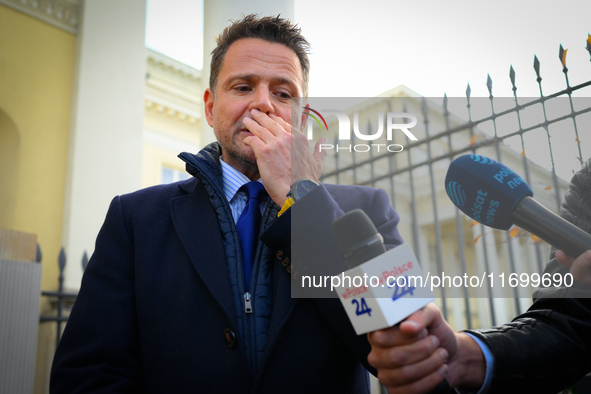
(196, 223)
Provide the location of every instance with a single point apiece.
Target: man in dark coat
(164, 306)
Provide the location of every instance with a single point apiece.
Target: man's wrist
(300, 188)
(468, 367)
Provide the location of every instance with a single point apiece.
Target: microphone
(381, 288)
(359, 241)
(357, 238)
(494, 195)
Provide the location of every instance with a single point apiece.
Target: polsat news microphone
(494, 195)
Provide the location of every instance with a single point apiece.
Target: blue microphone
(494, 195)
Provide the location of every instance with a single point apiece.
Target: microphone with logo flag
(494, 195)
(381, 288)
(385, 302)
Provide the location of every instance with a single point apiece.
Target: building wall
(173, 102)
(36, 67)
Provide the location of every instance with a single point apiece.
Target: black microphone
(359, 241)
(494, 195)
(357, 238)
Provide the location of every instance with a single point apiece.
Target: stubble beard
(236, 150)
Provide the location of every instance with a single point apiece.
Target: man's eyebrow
(250, 77)
(246, 77)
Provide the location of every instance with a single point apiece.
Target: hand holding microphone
(405, 355)
(580, 268)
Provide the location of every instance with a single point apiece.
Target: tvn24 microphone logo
(345, 130)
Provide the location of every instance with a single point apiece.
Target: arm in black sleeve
(548, 348)
(98, 352)
(314, 251)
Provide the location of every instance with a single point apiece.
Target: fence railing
(536, 133)
(63, 300)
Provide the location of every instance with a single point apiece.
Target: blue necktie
(248, 227)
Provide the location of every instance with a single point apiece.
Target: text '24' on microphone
(494, 195)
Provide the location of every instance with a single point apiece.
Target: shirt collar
(232, 180)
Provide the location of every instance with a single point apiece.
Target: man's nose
(262, 101)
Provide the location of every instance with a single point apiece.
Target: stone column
(105, 143)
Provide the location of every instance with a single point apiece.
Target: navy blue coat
(155, 302)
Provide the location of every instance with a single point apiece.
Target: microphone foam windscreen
(485, 189)
(351, 228)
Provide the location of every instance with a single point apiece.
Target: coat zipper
(247, 303)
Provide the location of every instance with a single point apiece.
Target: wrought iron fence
(60, 300)
(414, 174)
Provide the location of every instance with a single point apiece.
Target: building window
(169, 175)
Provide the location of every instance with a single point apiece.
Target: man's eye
(242, 88)
(284, 96)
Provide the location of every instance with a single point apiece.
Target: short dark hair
(268, 28)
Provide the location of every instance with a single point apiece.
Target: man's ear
(208, 103)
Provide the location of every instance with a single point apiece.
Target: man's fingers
(580, 267)
(424, 385)
(271, 123)
(257, 130)
(413, 373)
(396, 336)
(284, 124)
(318, 154)
(408, 331)
(255, 143)
(390, 337)
(399, 356)
(421, 319)
(564, 259)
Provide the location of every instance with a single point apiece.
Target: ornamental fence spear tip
(38, 254)
(84, 261)
(61, 260)
(562, 55)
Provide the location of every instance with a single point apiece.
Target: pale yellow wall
(165, 136)
(156, 157)
(36, 68)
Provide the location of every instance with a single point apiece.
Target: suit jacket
(155, 312)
